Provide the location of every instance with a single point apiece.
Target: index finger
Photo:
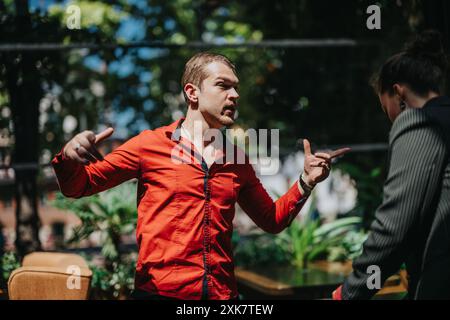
(323, 155)
(103, 135)
(339, 152)
(307, 147)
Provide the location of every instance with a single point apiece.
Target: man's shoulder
(145, 134)
(153, 133)
(157, 135)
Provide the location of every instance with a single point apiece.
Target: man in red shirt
(186, 203)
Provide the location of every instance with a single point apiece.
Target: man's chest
(176, 175)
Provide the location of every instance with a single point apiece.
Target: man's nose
(234, 95)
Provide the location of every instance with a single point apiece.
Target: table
(318, 281)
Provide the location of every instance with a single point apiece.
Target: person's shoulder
(152, 133)
(157, 135)
(142, 134)
(415, 132)
(146, 133)
(410, 121)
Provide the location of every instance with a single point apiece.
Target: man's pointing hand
(82, 148)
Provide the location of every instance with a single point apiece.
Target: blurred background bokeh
(304, 68)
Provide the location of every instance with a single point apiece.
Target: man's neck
(196, 125)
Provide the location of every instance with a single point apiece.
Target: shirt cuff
(305, 192)
(64, 167)
(60, 155)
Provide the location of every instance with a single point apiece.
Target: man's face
(218, 95)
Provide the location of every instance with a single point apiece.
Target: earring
(402, 105)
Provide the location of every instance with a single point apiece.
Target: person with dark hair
(412, 224)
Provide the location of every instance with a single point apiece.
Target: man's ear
(191, 92)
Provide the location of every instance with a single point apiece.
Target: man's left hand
(317, 166)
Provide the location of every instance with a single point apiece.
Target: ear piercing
(402, 105)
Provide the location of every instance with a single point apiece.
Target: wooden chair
(50, 276)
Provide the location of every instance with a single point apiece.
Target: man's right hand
(82, 148)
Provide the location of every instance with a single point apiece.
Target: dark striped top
(412, 224)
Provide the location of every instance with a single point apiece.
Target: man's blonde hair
(194, 70)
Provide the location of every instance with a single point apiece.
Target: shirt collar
(438, 101)
(173, 130)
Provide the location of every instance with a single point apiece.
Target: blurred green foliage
(314, 92)
(369, 175)
(113, 214)
(301, 91)
(8, 263)
(319, 93)
(302, 242)
(116, 282)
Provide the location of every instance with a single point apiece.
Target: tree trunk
(27, 218)
(24, 100)
(24, 89)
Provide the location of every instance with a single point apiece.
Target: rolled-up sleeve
(271, 216)
(76, 180)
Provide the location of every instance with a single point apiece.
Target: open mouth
(229, 111)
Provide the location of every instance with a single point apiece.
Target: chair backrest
(50, 276)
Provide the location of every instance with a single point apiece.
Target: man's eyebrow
(227, 80)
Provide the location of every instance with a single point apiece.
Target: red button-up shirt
(185, 211)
